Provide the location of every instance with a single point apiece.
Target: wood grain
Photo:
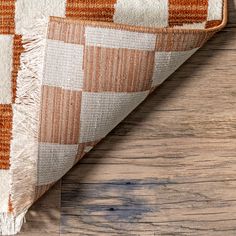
(168, 169)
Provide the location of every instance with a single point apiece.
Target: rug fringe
(24, 144)
(10, 225)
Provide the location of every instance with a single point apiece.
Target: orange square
(187, 12)
(17, 50)
(5, 135)
(99, 10)
(60, 116)
(68, 33)
(7, 16)
(117, 70)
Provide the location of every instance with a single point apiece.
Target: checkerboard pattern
(17, 15)
(94, 74)
(94, 78)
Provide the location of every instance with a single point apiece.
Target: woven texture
(75, 80)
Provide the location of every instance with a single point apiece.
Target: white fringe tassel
(24, 144)
(10, 225)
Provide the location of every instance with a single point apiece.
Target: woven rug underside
(71, 70)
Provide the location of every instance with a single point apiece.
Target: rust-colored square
(7, 16)
(177, 41)
(5, 135)
(17, 50)
(213, 23)
(60, 115)
(187, 12)
(68, 33)
(117, 70)
(97, 10)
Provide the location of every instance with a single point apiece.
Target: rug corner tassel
(25, 128)
(10, 224)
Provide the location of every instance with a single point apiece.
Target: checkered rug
(71, 70)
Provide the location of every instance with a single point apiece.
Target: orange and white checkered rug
(71, 70)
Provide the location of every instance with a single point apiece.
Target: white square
(201, 25)
(150, 13)
(64, 65)
(55, 160)
(215, 10)
(167, 63)
(112, 38)
(101, 112)
(6, 45)
(29, 10)
(4, 190)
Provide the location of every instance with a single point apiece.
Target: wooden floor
(168, 169)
